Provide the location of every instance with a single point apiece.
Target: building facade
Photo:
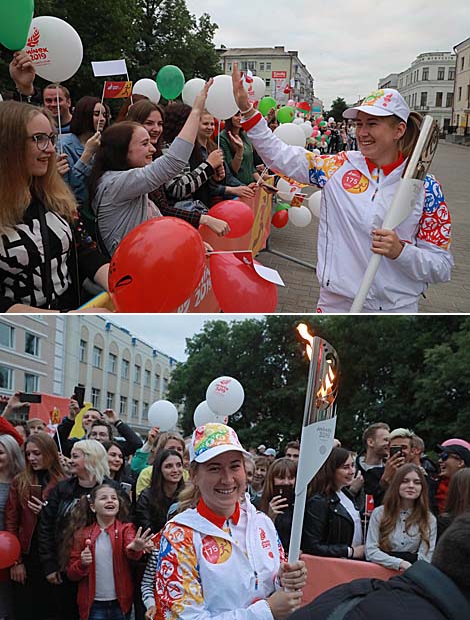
(461, 111)
(53, 354)
(389, 81)
(428, 86)
(276, 66)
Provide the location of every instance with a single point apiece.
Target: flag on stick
(117, 90)
(318, 425)
(103, 68)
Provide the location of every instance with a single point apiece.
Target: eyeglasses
(445, 455)
(42, 140)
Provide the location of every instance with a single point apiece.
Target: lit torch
(318, 425)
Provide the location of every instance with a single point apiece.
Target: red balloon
(10, 549)
(156, 266)
(238, 288)
(238, 215)
(280, 219)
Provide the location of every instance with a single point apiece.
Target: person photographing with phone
(277, 500)
(33, 595)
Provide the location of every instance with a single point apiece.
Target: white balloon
(290, 134)
(298, 121)
(163, 414)
(203, 414)
(259, 87)
(54, 48)
(220, 101)
(225, 396)
(286, 191)
(307, 128)
(191, 90)
(314, 203)
(316, 151)
(300, 216)
(331, 119)
(148, 88)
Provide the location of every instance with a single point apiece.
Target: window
(229, 66)
(109, 400)
(95, 397)
(462, 63)
(460, 93)
(439, 100)
(6, 336)
(136, 373)
(157, 382)
(425, 74)
(268, 66)
(125, 369)
(261, 66)
(145, 411)
(31, 344)
(441, 73)
(424, 99)
(6, 378)
(97, 357)
(451, 74)
(82, 354)
(112, 361)
(449, 100)
(123, 405)
(147, 378)
(165, 385)
(268, 82)
(31, 382)
(135, 408)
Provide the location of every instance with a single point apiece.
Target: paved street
(451, 166)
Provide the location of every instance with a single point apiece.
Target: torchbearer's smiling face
(221, 481)
(378, 137)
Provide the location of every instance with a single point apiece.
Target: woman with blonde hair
(33, 596)
(42, 261)
(403, 530)
(358, 190)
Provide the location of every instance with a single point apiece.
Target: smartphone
(35, 490)
(396, 450)
(125, 486)
(79, 394)
(30, 398)
(286, 491)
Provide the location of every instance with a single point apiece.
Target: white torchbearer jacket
(203, 572)
(354, 202)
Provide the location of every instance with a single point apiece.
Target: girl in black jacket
(332, 525)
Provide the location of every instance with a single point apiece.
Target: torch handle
(297, 524)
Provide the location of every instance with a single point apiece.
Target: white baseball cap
(211, 440)
(384, 102)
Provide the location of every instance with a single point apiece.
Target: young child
(99, 559)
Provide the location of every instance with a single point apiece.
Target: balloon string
(260, 180)
(101, 107)
(230, 251)
(59, 122)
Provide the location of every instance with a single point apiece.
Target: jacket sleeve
(133, 441)
(425, 553)
(139, 460)
(63, 432)
(373, 552)
(13, 511)
(189, 181)
(47, 543)
(147, 585)
(142, 511)
(178, 571)
(6, 427)
(75, 570)
(430, 259)
(315, 528)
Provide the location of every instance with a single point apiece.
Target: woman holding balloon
(124, 173)
(358, 190)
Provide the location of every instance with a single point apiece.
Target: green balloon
(170, 81)
(266, 104)
(322, 124)
(15, 20)
(286, 114)
(282, 206)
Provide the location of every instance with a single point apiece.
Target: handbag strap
(47, 283)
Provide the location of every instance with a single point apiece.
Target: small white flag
(103, 68)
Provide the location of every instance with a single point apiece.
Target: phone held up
(35, 490)
(286, 491)
(396, 450)
(30, 398)
(79, 395)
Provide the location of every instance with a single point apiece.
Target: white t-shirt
(105, 586)
(356, 517)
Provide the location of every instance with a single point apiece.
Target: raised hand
(239, 92)
(86, 555)
(22, 72)
(199, 104)
(141, 540)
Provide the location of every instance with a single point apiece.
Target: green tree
(392, 370)
(338, 106)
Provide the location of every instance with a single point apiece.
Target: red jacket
(121, 534)
(19, 519)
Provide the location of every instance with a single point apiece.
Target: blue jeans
(107, 610)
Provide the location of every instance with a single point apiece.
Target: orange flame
(326, 388)
(303, 332)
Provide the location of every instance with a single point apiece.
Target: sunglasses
(445, 455)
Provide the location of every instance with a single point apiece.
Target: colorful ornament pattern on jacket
(435, 224)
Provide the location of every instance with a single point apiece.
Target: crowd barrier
(203, 298)
(325, 573)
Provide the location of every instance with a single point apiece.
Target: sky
(166, 332)
(347, 45)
